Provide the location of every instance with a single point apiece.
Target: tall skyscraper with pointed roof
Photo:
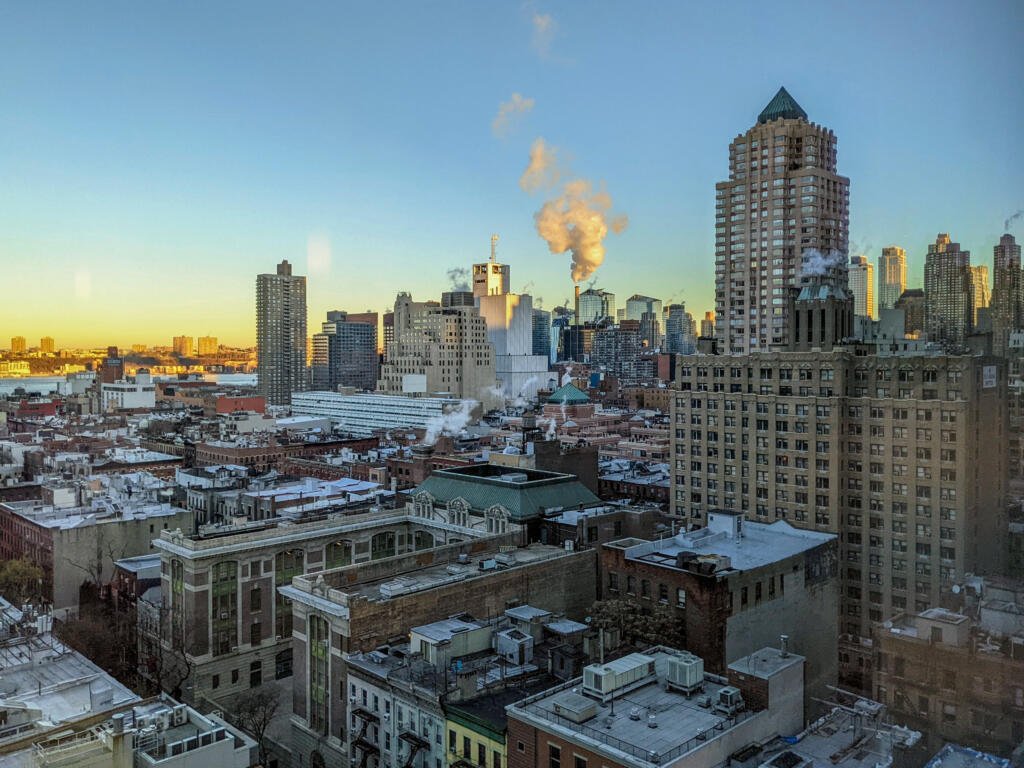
(892, 276)
(782, 199)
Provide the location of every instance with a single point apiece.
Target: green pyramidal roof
(782, 106)
(568, 394)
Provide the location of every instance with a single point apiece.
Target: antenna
(494, 248)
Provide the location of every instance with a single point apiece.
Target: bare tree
(163, 648)
(639, 626)
(254, 711)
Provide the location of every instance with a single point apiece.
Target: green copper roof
(568, 394)
(525, 493)
(782, 106)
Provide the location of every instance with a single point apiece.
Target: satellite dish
(956, 589)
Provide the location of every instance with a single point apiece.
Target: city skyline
(188, 183)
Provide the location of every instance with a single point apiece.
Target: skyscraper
(981, 295)
(596, 304)
(892, 276)
(647, 311)
(345, 352)
(948, 286)
(1007, 293)
(281, 334)
(862, 286)
(542, 333)
(782, 199)
(707, 325)
(912, 302)
(680, 334)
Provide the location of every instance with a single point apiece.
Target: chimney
(784, 646)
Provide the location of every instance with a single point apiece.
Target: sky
(155, 157)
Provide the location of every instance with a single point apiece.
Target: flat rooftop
(682, 724)
(761, 544)
(76, 517)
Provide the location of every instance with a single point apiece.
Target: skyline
(146, 190)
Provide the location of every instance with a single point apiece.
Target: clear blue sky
(155, 156)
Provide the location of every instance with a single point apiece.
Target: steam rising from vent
(510, 113)
(818, 264)
(1013, 218)
(451, 423)
(542, 169)
(567, 376)
(459, 278)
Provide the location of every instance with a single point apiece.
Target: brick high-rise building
(1007, 293)
(46, 344)
(18, 345)
(782, 199)
(948, 291)
(207, 346)
(912, 302)
(862, 286)
(892, 276)
(281, 334)
(904, 457)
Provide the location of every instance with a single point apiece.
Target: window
(554, 756)
(681, 597)
(215, 681)
(579, 762)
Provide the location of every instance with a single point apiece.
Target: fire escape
(415, 742)
(366, 747)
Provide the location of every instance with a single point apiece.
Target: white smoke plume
(510, 113)
(459, 278)
(451, 423)
(538, 302)
(567, 376)
(318, 254)
(1011, 219)
(544, 29)
(818, 264)
(542, 170)
(520, 399)
(526, 288)
(552, 428)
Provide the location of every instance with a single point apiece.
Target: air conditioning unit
(729, 700)
(686, 673)
(180, 714)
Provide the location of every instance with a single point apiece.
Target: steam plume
(510, 113)
(1013, 218)
(542, 169)
(451, 423)
(318, 254)
(818, 264)
(544, 28)
(459, 278)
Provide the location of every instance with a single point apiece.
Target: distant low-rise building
(128, 393)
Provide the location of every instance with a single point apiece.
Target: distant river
(45, 385)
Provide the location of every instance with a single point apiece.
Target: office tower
(345, 352)
(892, 276)
(981, 295)
(1007, 293)
(387, 323)
(458, 299)
(542, 333)
(182, 346)
(18, 344)
(616, 349)
(281, 334)
(46, 344)
(207, 346)
(862, 286)
(439, 349)
(509, 318)
(948, 291)
(680, 337)
(883, 450)
(561, 320)
(912, 302)
(707, 325)
(648, 312)
(782, 199)
(596, 305)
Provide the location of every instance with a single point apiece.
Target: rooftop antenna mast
(494, 248)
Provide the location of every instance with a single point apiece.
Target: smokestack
(576, 317)
(784, 646)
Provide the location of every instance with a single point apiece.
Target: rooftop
(758, 545)
(568, 394)
(956, 756)
(781, 107)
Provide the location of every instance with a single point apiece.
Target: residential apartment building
(912, 302)
(905, 458)
(782, 199)
(46, 345)
(1007, 293)
(439, 350)
(955, 677)
(130, 392)
(680, 331)
(862, 286)
(280, 334)
(18, 345)
(949, 292)
(182, 346)
(735, 586)
(981, 295)
(892, 276)
(207, 346)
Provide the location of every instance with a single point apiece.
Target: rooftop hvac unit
(604, 681)
(686, 673)
(507, 559)
(575, 708)
(180, 714)
(729, 700)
